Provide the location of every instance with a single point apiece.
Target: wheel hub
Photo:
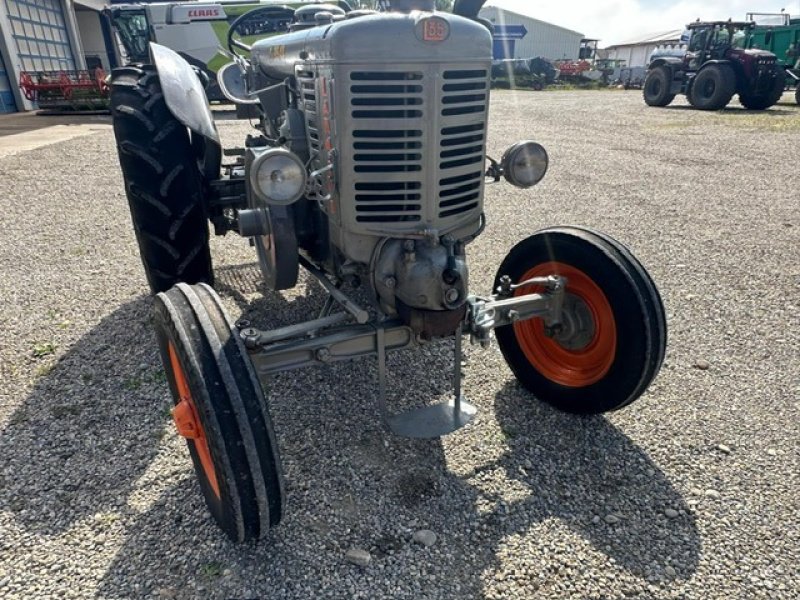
(185, 420)
(577, 324)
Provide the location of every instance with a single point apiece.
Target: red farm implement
(66, 90)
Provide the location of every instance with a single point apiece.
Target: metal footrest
(429, 421)
(432, 421)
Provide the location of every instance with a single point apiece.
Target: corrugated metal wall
(7, 103)
(638, 55)
(39, 31)
(543, 39)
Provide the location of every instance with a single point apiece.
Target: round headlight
(525, 164)
(278, 177)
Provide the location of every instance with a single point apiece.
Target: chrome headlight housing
(525, 164)
(278, 176)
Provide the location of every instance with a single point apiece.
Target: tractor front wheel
(613, 333)
(221, 411)
(163, 182)
(657, 87)
(770, 98)
(713, 87)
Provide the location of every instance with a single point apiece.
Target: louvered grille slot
(455, 102)
(308, 98)
(384, 153)
(459, 194)
(389, 100)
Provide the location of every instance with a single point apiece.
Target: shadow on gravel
(587, 473)
(93, 423)
(734, 109)
(359, 487)
(88, 430)
(91, 427)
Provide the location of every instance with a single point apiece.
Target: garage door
(39, 31)
(6, 97)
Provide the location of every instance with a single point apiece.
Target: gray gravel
(690, 493)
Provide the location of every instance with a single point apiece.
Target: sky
(614, 21)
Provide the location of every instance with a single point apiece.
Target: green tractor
(783, 40)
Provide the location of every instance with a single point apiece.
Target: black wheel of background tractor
(797, 94)
(613, 336)
(764, 101)
(657, 86)
(163, 181)
(713, 87)
(221, 411)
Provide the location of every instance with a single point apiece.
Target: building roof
(97, 5)
(529, 15)
(673, 35)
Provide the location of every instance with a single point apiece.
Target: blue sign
(510, 32)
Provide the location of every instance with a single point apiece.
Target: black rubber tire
(639, 315)
(764, 101)
(797, 94)
(231, 408)
(162, 181)
(713, 87)
(656, 87)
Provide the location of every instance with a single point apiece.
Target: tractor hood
(755, 53)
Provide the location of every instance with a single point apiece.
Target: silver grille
(462, 146)
(413, 151)
(392, 97)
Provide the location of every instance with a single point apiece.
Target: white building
(520, 35)
(636, 53)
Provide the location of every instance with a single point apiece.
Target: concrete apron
(28, 140)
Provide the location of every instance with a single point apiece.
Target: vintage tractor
(366, 169)
(716, 66)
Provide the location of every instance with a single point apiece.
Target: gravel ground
(690, 493)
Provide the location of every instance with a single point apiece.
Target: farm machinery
(367, 170)
(782, 38)
(66, 90)
(716, 65)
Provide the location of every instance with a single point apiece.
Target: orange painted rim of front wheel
(564, 366)
(187, 422)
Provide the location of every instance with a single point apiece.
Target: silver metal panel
(413, 155)
(183, 92)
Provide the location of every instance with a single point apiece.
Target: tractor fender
(708, 63)
(666, 61)
(183, 92)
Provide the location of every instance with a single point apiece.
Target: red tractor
(716, 66)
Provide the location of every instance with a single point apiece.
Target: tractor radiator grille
(415, 150)
(462, 145)
(387, 161)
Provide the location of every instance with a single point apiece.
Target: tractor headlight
(525, 164)
(278, 176)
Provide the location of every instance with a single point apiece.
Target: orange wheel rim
(551, 355)
(187, 422)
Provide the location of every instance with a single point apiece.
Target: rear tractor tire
(221, 411)
(713, 87)
(764, 101)
(163, 181)
(657, 86)
(613, 336)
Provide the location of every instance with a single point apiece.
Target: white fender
(183, 92)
